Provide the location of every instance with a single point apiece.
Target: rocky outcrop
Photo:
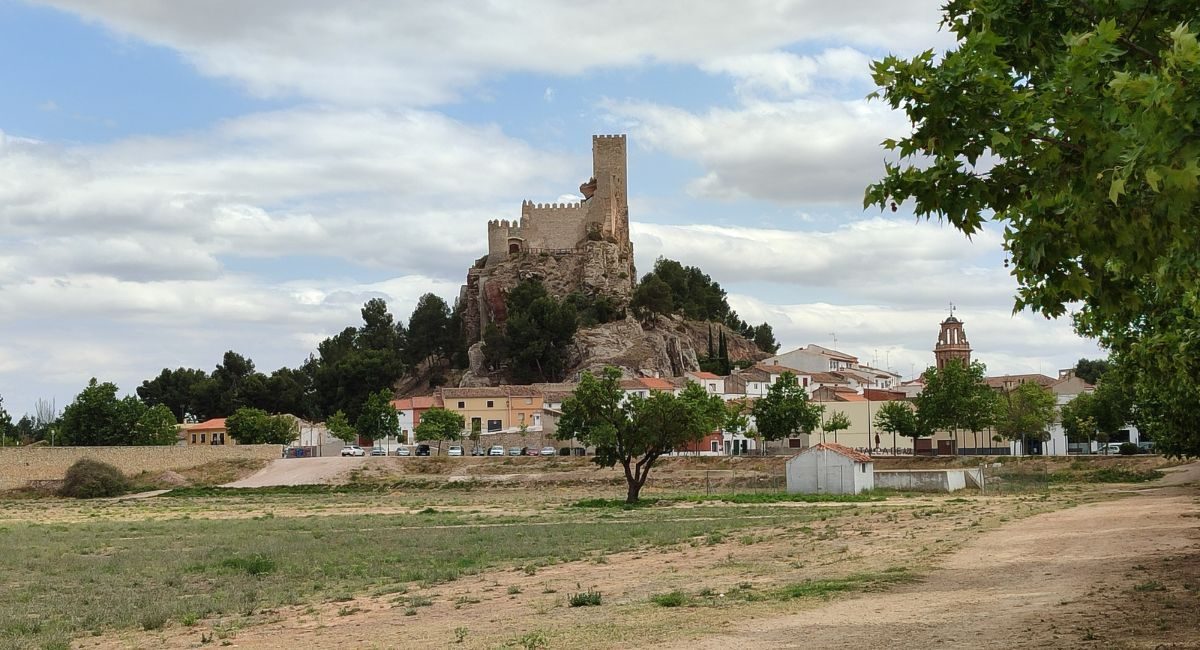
(597, 268)
(667, 346)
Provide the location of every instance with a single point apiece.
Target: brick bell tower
(952, 343)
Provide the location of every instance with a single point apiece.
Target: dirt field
(1078, 567)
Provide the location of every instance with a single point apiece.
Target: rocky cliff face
(668, 346)
(597, 268)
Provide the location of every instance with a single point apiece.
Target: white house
(830, 468)
(712, 384)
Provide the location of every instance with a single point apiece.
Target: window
(494, 425)
(476, 424)
(521, 417)
(716, 446)
(491, 404)
(864, 467)
(462, 405)
(193, 438)
(202, 438)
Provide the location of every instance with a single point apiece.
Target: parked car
(496, 450)
(422, 450)
(529, 451)
(478, 451)
(353, 450)
(378, 451)
(454, 450)
(549, 451)
(1146, 447)
(515, 451)
(1112, 449)
(403, 451)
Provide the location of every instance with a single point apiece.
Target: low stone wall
(20, 465)
(926, 480)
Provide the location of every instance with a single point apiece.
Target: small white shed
(830, 468)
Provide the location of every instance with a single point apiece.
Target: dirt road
(299, 471)
(1058, 580)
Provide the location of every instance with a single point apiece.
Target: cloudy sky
(182, 178)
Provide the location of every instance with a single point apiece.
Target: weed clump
(670, 599)
(587, 598)
(93, 479)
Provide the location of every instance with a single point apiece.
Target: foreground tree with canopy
(1074, 126)
(637, 431)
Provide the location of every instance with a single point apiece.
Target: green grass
(1106, 475)
(745, 498)
(856, 582)
(670, 599)
(62, 582)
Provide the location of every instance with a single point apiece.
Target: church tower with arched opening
(952, 343)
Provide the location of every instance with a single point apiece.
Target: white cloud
(797, 151)
(785, 74)
(412, 53)
(875, 260)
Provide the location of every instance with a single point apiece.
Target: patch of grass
(856, 582)
(1149, 585)
(255, 565)
(103, 572)
(612, 503)
(513, 590)
(670, 599)
(587, 598)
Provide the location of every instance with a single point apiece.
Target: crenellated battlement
(564, 225)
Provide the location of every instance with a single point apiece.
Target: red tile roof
(656, 383)
(843, 450)
(208, 425)
(416, 403)
(704, 375)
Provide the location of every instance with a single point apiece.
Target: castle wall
(553, 225)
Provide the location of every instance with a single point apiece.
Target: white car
(496, 450)
(403, 451)
(549, 451)
(455, 450)
(353, 450)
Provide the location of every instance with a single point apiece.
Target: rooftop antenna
(951, 308)
(834, 335)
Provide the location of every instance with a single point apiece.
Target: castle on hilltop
(581, 248)
(603, 214)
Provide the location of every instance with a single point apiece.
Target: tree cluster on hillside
(636, 431)
(1073, 125)
(345, 371)
(532, 343)
(672, 288)
(99, 417)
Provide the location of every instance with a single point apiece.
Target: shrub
(91, 479)
(587, 598)
(670, 599)
(1128, 449)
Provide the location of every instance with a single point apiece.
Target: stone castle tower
(952, 343)
(581, 247)
(603, 214)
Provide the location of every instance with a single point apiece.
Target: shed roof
(855, 456)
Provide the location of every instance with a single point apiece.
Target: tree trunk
(635, 489)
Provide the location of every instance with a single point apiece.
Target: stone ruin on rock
(572, 247)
